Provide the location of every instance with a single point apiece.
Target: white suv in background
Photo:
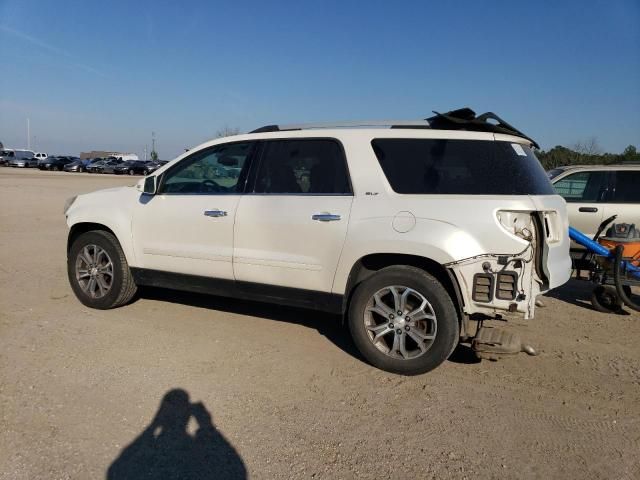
(596, 192)
(406, 228)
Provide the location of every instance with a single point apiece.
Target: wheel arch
(84, 227)
(369, 264)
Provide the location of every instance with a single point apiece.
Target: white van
(123, 157)
(9, 154)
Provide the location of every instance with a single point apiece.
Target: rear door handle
(588, 209)
(215, 213)
(325, 217)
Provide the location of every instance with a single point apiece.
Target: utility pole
(145, 152)
(153, 141)
(28, 135)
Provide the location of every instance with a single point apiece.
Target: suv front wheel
(403, 320)
(98, 271)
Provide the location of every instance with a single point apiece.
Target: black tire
(145, 172)
(448, 331)
(123, 287)
(605, 299)
(131, 172)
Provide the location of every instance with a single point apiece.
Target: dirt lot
(281, 393)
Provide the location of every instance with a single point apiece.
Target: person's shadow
(166, 450)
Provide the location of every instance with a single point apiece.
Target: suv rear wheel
(98, 271)
(403, 320)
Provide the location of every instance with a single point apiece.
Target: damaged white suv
(409, 229)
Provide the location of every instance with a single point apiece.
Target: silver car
(23, 159)
(596, 192)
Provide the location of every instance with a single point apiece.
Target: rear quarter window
(627, 187)
(463, 167)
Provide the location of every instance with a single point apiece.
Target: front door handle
(588, 209)
(215, 213)
(325, 217)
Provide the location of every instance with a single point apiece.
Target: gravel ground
(247, 389)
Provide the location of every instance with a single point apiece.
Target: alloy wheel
(400, 322)
(94, 271)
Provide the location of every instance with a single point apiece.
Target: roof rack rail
(460, 119)
(360, 123)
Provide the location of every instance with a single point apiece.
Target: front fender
(113, 213)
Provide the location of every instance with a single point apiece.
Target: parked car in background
(408, 231)
(23, 161)
(9, 154)
(107, 166)
(595, 192)
(131, 167)
(94, 167)
(78, 166)
(46, 159)
(40, 155)
(45, 163)
(152, 166)
(5, 156)
(55, 163)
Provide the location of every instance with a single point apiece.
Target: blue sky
(104, 75)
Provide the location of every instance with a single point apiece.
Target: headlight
(68, 203)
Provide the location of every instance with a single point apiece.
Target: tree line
(585, 153)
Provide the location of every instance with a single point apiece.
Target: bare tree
(227, 131)
(588, 147)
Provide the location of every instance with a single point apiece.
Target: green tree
(631, 154)
(154, 155)
(585, 153)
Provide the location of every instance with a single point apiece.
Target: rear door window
(627, 187)
(305, 166)
(586, 187)
(465, 167)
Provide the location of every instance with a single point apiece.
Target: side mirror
(147, 185)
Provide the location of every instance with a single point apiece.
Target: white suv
(596, 192)
(408, 231)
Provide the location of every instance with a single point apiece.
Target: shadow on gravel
(578, 293)
(463, 354)
(328, 325)
(574, 292)
(166, 450)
